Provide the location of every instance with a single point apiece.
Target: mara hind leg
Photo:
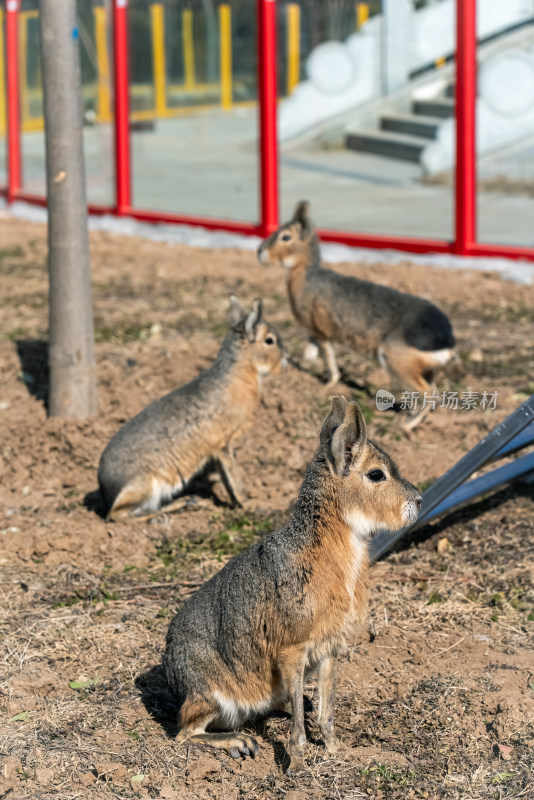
(198, 714)
(424, 388)
(334, 375)
(416, 420)
(132, 500)
(411, 366)
(136, 501)
(174, 505)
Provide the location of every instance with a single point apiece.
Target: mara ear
(333, 420)
(237, 311)
(253, 319)
(301, 216)
(345, 436)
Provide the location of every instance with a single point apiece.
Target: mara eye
(376, 475)
(269, 340)
(286, 237)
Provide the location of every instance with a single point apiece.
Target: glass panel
(358, 130)
(32, 142)
(96, 53)
(505, 121)
(193, 107)
(94, 33)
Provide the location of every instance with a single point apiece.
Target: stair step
(450, 90)
(386, 143)
(434, 108)
(412, 124)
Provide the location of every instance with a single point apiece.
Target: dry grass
(439, 679)
(442, 675)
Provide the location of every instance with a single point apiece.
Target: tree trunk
(71, 337)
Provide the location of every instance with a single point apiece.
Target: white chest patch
(361, 525)
(359, 555)
(289, 261)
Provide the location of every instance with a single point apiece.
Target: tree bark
(71, 336)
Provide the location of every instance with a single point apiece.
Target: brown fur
(282, 609)
(151, 459)
(410, 336)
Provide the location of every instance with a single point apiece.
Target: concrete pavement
(207, 164)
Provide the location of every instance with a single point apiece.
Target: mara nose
(418, 502)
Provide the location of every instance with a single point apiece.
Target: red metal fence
(465, 241)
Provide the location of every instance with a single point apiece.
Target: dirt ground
(435, 694)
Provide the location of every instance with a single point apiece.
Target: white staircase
(404, 135)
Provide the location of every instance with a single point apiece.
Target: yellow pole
(158, 58)
(293, 45)
(189, 50)
(2, 77)
(362, 15)
(104, 102)
(225, 48)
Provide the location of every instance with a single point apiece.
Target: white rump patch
(311, 352)
(439, 356)
(233, 714)
(162, 493)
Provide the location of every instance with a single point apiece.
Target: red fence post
(14, 173)
(266, 23)
(466, 89)
(122, 107)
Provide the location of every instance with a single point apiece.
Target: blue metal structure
(453, 489)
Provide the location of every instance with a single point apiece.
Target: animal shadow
(158, 700)
(93, 501)
(33, 357)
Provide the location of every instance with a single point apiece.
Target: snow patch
(511, 269)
